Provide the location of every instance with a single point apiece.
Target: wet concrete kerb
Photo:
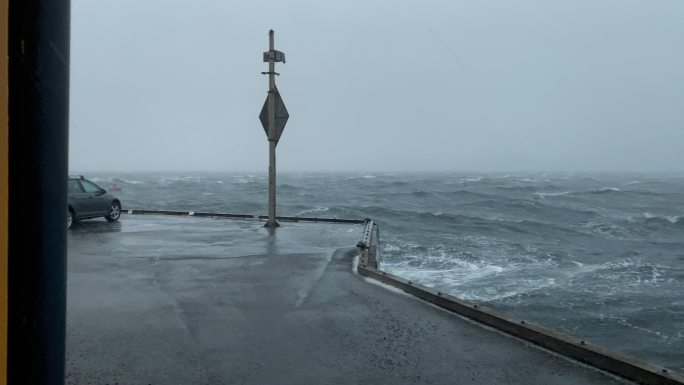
(245, 216)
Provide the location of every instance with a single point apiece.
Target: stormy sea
(598, 256)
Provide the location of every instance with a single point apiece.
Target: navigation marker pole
(271, 135)
(273, 117)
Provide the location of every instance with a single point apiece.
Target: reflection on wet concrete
(94, 226)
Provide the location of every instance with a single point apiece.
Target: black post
(38, 168)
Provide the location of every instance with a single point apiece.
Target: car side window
(75, 187)
(90, 187)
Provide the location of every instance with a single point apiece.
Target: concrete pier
(185, 300)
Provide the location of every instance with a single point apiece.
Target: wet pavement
(185, 300)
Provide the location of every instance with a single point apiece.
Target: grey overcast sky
(576, 85)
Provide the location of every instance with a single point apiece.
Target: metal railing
(370, 252)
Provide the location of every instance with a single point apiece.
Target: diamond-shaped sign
(281, 116)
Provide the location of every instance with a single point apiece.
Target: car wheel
(115, 213)
(70, 219)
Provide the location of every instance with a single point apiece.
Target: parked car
(88, 200)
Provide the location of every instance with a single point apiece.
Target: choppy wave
(421, 193)
(461, 194)
(518, 188)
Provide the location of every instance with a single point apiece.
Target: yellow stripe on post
(4, 182)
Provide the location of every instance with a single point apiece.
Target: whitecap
(477, 179)
(670, 218)
(319, 209)
(120, 180)
(389, 247)
(542, 194)
(360, 177)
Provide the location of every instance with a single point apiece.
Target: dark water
(598, 256)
